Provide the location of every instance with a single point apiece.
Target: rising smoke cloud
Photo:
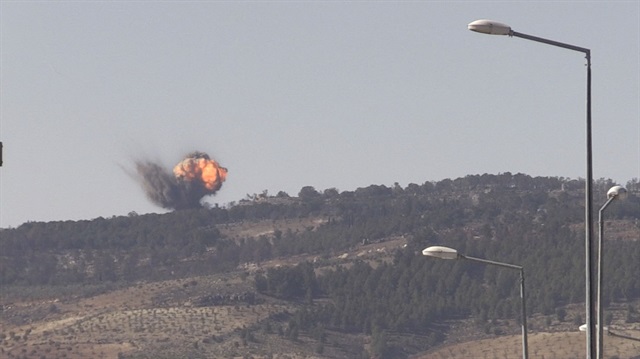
(196, 176)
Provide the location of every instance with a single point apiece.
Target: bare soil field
(140, 318)
(268, 227)
(556, 345)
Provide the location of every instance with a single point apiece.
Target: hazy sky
(287, 94)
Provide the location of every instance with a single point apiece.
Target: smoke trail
(193, 178)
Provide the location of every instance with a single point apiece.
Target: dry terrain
(148, 317)
(544, 345)
(221, 316)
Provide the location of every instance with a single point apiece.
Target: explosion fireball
(193, 178)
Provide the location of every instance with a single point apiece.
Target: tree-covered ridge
(533, 222)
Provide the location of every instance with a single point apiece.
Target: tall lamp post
(450, 253)
(615, 192)
(495, 28)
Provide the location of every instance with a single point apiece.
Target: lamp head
(583, 328)
(440, 252)
(617, 192)
(490, 27)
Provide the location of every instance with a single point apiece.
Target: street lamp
(450, 253)
(615, 192)
(495, 28)
(583, 328)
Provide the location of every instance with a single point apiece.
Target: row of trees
(413, 291)
(511, 218)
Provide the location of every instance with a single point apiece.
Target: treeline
(513, 218)
(413, 291)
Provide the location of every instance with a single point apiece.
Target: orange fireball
(199, 167)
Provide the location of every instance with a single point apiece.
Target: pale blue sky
(286, 94)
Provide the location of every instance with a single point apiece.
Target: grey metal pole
(525, 342)
(622, 336)
(589, 223)
(599, 339)
(548, 42)
(588, 243)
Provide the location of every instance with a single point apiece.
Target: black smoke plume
(184, 187)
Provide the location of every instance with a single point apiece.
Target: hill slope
(336, 275)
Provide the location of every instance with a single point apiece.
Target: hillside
(325, 274)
